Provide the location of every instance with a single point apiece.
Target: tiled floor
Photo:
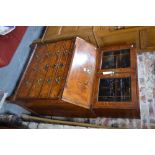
(10, 74)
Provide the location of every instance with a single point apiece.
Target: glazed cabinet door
(116, 91)
(116, 79)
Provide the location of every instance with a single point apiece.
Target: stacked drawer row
(46, 73)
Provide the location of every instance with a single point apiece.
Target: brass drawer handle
(46, 67)
(59, 79)
(58, 66)
(61, 65)
(36, 56)
(39, 81)
(48, 54)
(27, 83)
(49, 80)
(66, 52)
(55, 65)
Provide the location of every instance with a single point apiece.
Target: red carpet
(9, 44)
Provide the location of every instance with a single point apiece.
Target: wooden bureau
(62, 79)
(59, 79)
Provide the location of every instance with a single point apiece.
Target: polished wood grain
(63, 79)
(50, 92)
(105, 108)
(78, 87)
(55, 107)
